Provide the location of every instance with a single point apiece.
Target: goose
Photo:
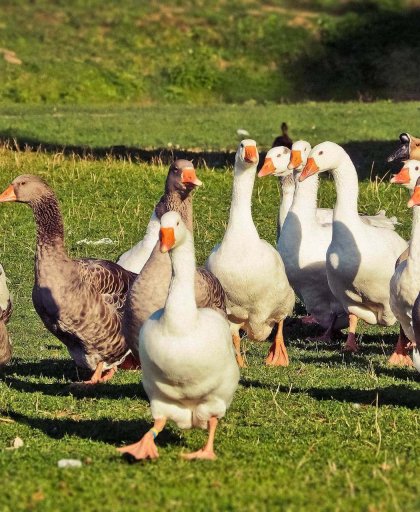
(303, 244)
(409, 149)
(80, 301)
(405, 283)
(258, 294)
(181, 176)
(283, 139)
(360, 258)
(277, 161)
(5, 313)
(150, 288)
(189, 369)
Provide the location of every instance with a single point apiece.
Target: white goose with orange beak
(361, 258)
(303, 244)
(189, 369)
(405, 283)
(251, 270)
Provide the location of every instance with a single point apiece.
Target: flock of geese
(181, 324)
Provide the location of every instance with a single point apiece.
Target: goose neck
(305, 197)
(287, 193)
(347, 187)
(49, 223)
(414, 252)
(240, 217)
(181, 307)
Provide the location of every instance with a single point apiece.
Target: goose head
(276, 162)
(323, 157)
(181, 177)
(409, 149)
(172, 232)
(246, 156)
(26, 188)
(415, 198)
(408, 174)
(299, 155)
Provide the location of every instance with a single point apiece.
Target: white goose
(405, 283)
(360, 258)
(189, 369)
(250, 270)
(303, 244)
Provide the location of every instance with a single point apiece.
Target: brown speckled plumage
(150, 289)
(80, 301)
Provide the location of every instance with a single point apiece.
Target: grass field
(323, 434)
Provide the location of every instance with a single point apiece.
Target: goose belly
(189, 368)
(361, 281)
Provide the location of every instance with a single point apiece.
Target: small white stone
(69, 463)
(17, 443)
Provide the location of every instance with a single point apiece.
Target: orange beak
(415, 198)
(267, 169)
(295, 159)
(167, 239)
(309, 169)
(251, 154)
(189, 176)
(402, 178)
(8, 195)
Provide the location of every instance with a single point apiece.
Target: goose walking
(80, 301)
(250, 270)
(360, 258)
(189, 369)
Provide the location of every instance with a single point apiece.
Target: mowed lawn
(326, 433)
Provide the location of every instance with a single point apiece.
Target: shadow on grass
(363, 153)
(402, 396)
(104, 430)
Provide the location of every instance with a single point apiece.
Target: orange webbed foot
(401, 357)
(143, 449)
(200, 454)
(351, 345)
(277, 356)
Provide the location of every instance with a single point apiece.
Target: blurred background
(208, 51)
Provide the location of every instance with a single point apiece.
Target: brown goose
(5, 313)
(409, 149)
(150, 289)
(80, 301)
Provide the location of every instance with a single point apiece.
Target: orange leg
(146, 447)
(327, 337)
(351, 344)
(208, 451)
(308, 320)
(237, 344)
(100, 376)
(400, 357)
(277, 355)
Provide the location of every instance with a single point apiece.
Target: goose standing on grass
(258, 294)
(361, 258)
(150, 289)
(5, 313)
(182, 178)
(405, 283)
(303, 244)
(80, 301)
(189, 368)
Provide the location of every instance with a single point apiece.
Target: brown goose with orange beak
(251, 271)
(150, 289)
(80, 301)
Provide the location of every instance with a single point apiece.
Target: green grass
(55, 51)
(368, 131)
(323, 434)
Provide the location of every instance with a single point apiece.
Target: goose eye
(321, 153)
(417, 168)
(23, 182)
(279, 155)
